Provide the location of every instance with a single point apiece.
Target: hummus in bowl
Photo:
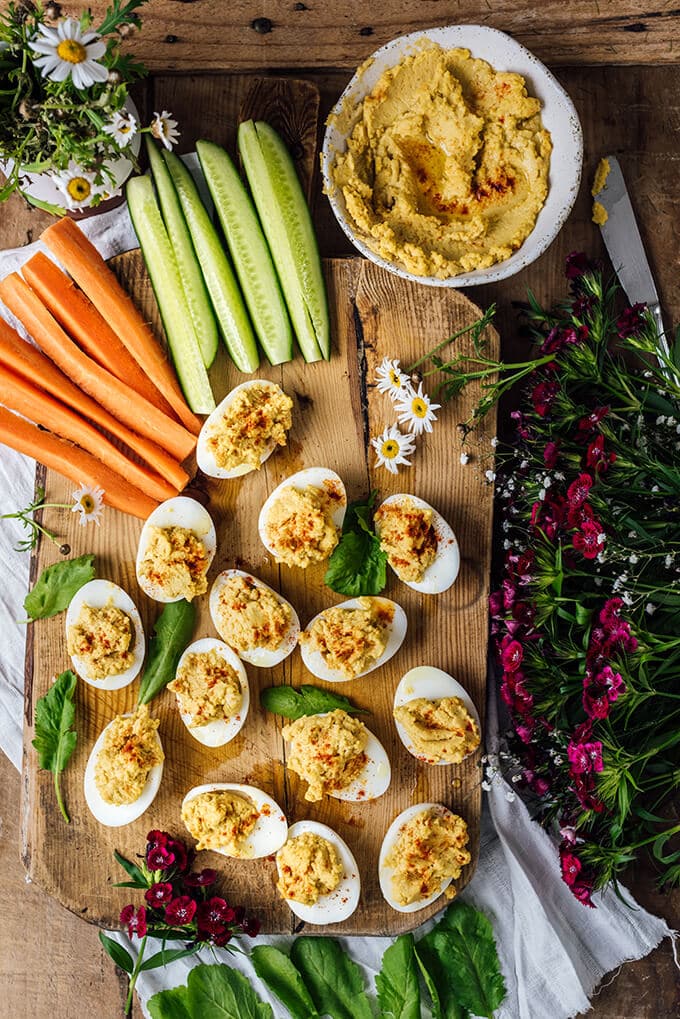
(453, 157)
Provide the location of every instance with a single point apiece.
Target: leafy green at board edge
(120, 955)
(334, 981)
(397, 982)
(358, 566)
(296, 702)
(214, 990)
(56, 586)
(55, 739)
(282, 978)
(170, 1004)
(171, 634)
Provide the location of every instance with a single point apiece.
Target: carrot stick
(128, 406)
(21, 396)
(77, 315)
(81, 259)
(27, 361)
(74, 463)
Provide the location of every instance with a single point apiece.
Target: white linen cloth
(553, 951)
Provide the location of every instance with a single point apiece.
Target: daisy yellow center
(390, 449)
(87, 504)
(395, 379)
(419, 408)
(72, 51)
(79, 189)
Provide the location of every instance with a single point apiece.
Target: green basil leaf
(54, 739)
(357, 566)
(292, 702)
(334, 981)
(219, 992)
(120, 956)
(397, 982)
(56, 585)
(281, 977)
(170, 1004)
(171, 634)
(166, 956)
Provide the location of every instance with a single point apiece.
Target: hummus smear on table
(176, 561)
(300, 526)
(129, 751)
(408, 538)
(327, 751)
(103, 638)
(429, 849)
(256, 419)
(439, 730)
(208, 688)
(222, 819)
(350, 641)
(250, 616)
(310, 867)
(446, 167)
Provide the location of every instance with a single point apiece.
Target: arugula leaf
(397, 982)
(219, 992)
(445, 1003)
(120, 956)
(170, 1004)
(429, 983)
(358, 566)
(281, 977)
(56, 585)
(171, 634)
(55, 740)
(294, 702)
(334, 981)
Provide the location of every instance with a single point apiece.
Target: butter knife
(626, 250)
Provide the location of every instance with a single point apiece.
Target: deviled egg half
(301, 521)
(239, 821)
(212, 691)
(318, 875)
(244, 429)
(253, 619)
(420, 545)
(176, 548)
(104, 635)
(353, 638)
(422, 853)
(435, 717)
(337, 756)
(124, 769)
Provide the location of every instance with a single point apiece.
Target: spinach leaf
(56, 585)
(171, 634)
(170, 1004)
(281, 977)
(55, 739)
(397, 982)
(439, 985)
(294, 702)
(219, 992)
(334, 981)
(358, 566)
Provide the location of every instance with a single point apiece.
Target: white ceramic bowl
(558, 115)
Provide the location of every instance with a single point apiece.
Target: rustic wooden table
(619, 66)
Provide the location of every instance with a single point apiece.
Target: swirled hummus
(439, 730)
(176, 561)
(407, 537)
(208, 688)
(103, 639)
(326, 751)
(222, 819)
(447, 161)
(300, 526)
(256, 420)
(350, 641)
(309, 867)
(429, 849)
(130, 750)
(250, 616)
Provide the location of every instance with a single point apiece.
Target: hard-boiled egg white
(314, 660)
(97, 594)
(337, 905)
(374, 778)
(442, 572)
(433, 684)
(271, 828)
(385, 874)
(110, 814)
(263, 658)
(178, 512)
(312, 477)
(205, 456)
(222, 730)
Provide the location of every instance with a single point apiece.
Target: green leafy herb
(219, 992)
(282, 978)
(168, 955)
(56, 585)
(30, 524)
(120, 955)
(397, 982)
(439, 985)
(358, 566)
(55, 740)
(171, 634)
(170, 1004)
(334, 981)
(294, 702)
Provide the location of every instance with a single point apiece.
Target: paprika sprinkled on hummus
(408, 537)
(208, 688)
(300, 527)
(176, 561)
(258, 417)
(250, 616)
(350, 641)
(429, 849)
(326, 751)
(130, 750)
(439, 730)
(103, 639)
(222, 819)
(309, 867)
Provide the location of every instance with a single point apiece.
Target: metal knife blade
(623, 242)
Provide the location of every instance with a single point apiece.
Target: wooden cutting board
(336, 411)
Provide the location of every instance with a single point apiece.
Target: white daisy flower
(123, 128)
(89, 502)
(76, 185)
(392, 448)
(66, 51)
(164, 128)
(391, 379)
(416, 411)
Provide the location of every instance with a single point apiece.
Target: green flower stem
(134, 975)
